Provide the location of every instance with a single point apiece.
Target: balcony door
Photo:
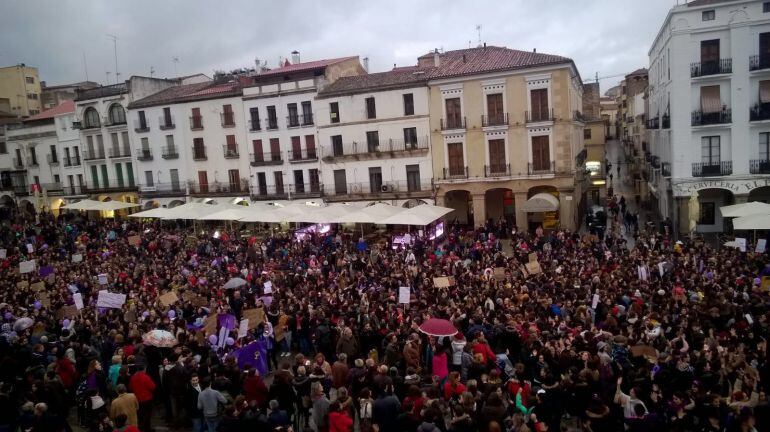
(232, 147)
(456, 159)
(340, 182)
(453, 113)
(541, 154)
(710, 150)
(497, 159)
(203, 181)
(278, 178)
(262, 183)
(299, 181)
(764, 48)
(372, 141)
(375, 179)
(495, 109)
(539, 101)
(337, 145)
(174, 174)
(234, 177)
(709, 51)
(258, 152)
(310, 146)
(711, 103)
(296, 148)
(275, 149)
(413, 178)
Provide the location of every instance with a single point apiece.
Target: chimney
(534, 50)
(485, 45)
(366, 64)
(436, 58)
(295, 57)
(464, 60)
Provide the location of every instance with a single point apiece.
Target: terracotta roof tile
(188, 93)
(63, 108)
(397, 78)
(489, 59)
(302, 67)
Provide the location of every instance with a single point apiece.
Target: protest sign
(78, 299)
(255, 316)
(761, 245)
(441, 282)
(243, 328)
(3, 253)
(27, 266)
(268, 287)
(595, 301)
(765, 283)
(69, 311)
(102, 279)
(76, 258)
(499, 273)
(30, 248)
(45, 271)
(44, 299)
(532, 257)
(404, 295)
(37, 286)
(741, 241)
(110, 300)
(168, 298)
(210, 325)
(22, 285)
(134, 240)
(533, 267)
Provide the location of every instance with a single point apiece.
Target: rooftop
(81, 84)
(103, 91)
(394, 79)
(706, 2)
(65, 107)
(485, 59)
(189, 93)
(288, 68)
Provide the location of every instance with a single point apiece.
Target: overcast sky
(606, 36)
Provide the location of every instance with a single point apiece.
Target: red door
(203, 181)
(310, 146)
(259, 155)
(296, 148)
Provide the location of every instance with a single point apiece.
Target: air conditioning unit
(385, 188)
(76, 125)
(148, 189)
(390, 187)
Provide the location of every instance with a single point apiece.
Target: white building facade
(709, 111)
(374, 136)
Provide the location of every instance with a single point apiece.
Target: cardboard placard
(243, 328)
(210, 325)
(22, 285)
(130, 316)
(27, 266)
(69, 311)
(499, 273)
(268, 286)
(741, 241)
(644, 350)
(134, 240)
(255, 317)
(532, 257)
(765, 283)
(30, 248)
(51, 278)
(533, 267)
(37, 286)
(168, 298)
(78, 299)
(44, 300)
(110, 300)
(404, 295)
(595, 301)
(102, 279)
(76, 258)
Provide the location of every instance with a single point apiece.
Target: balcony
(539, 116)
(169, 152)
(196, 123)
(71, 162)
(219, 188)
(494, 120)
(497, 170)
(305, 190)
(162, 189)
(665, 169)
(230, 151)
(228, 119)
(144, 154)
(759, 112)
(293, 121)
(265, 192)
(90, 155)
(653, 123)
(266, 159)
(18, 163)
(700, 118)
(52, 159)
(166, 123)
(714, 169)
(255, 125)
(665, 122)
(141, 126)
(306, 119)
(119, 152)
(74, 190)
(713, 67)
(52, 188)
(759, 166)
(380, 190)
(389, 148)
(452, 123)
(303, 155)
(759, 62)
(86, 125)
(271, 123)
(199, 153)
(456, 173)
(541, 169)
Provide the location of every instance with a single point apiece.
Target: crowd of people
(563, 332)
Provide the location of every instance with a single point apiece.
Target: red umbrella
(438, 327)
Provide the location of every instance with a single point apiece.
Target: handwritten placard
(168, 298)
(404, 295)
(268, 287)
(255, 317)
(69, 311)
(532, 257)
(595, 301)
(102, 279)
(761, 246)
(134, 240)
(741, 241)
(499, 273)
(110, 300)
(22, 285)
(78, 299)
(243, 328)
(533, 267)
(37, 286)
(76, 258)
(3, 253)
(27, 266)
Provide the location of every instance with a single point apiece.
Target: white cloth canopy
(420, 215)
(275, 215)
(745, 209)
(159, 212)
(88, 204)
(323, 214)
(372, 214)
(542, 202)
(85, 204)
(115, 205)
(752, 222)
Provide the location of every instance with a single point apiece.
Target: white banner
(78, 299)
(268, 287)
(403, 295)
(761, 245)
(243, 328)
(110, 300)
(27, 266)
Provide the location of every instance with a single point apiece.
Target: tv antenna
(152, 71)
(115, 48)
(175, 59)
(478, 30)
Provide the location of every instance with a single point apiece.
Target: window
(174, 174)
(203, 181)
(91, 118)
(410, 138)
(278, 179)
(115, 144)
(262, 183)
(371, 110)
(710, 99)
(3, 148)
(709, 15)
(119, 174)
(710, 149)
(413, 178)
(375, 179)
(293, 118)
(453, 113)
(100, 145)
(32, 156)
(170, 146)
(299, 181)
(259, 153)
(307, 113)
(145, 144)
(117, 114)
(296, 148)
(105, 177)
(231, 146)
(36, 180)
(408, 104)
(196, 121)
(340, 182)
(54, 154)
(32, 96)
(766, 7)
(497, 160)
(764, 146)
(334, 112)
(456, 159)
(275, 149)
(709, 51)
(29, 80)
(707, 213)
(541, 155)
(495, 111)
(56, 178)
(310, 146)
(228, 117)
(126, 145)
(372, 141)
(254, 119)
(199, 149)
(272, 118)
(34, 112)
(167, 121)
(587, 133)
(315, 182)
(234, 176)
(336, 142)
(142, 121)
(539, 101)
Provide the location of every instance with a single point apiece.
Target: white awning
(115, 205)
(159, 212)
(88, 204)
(745, 209)
(542, 202)
(420, 215)
(753, 222)
(375, 214)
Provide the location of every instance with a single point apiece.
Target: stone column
(567, 210)
(682, 204)
(479, 210)
(740, 199)
(521, 216)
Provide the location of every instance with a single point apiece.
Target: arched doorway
(175, 203)
(499, 204)
(709, 217)
(462, 203)
(761, 194)
(413, 203)
(27, 207)
(542, 208)
(149, 205)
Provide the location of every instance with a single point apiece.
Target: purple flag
(226, 320)
(45, 271)
(254, 355)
